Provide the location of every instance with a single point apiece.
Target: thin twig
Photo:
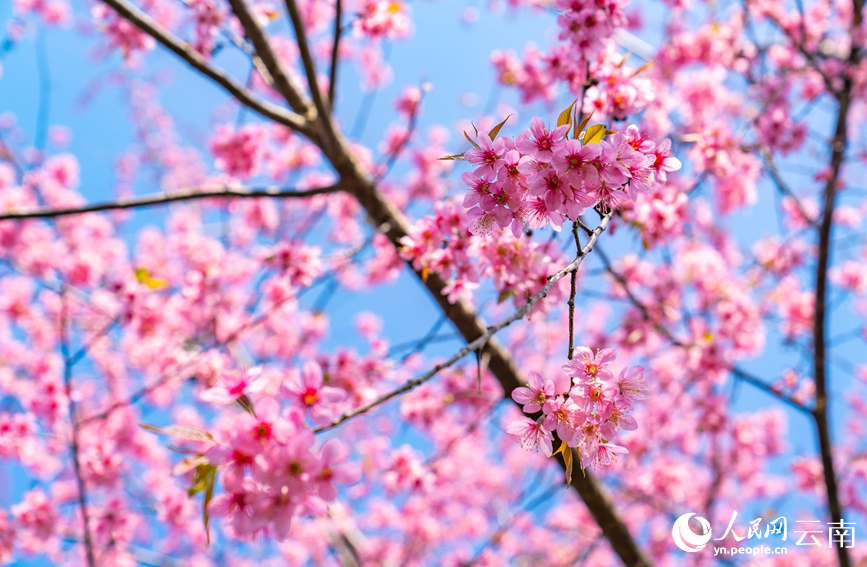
(182, 195)
(74, 442)
(281, 79)
(645, 313)
(324, 117)
(335, 56)
(573, 280)
(186, 52)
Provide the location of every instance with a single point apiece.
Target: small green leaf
(189, 463)
(204, 473)
(209, 494)
(144, 277)
(150, 428)
(496, 129)
(566, 116)
(505, 294)
(594, 134)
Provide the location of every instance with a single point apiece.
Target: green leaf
(496, 129)
(566, 116)
(209, 494)
(189, 463)
(205, 473)
(144, 277)
(453, 158)
(505, 294)
(594, 134)
(186, 432)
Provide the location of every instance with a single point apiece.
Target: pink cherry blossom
(234, 384)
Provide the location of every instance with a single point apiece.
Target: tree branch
(310, 70)
(282, 81)
(183, 195)
(186, 52)
(335, 55)
(73, 423)
(820, 363)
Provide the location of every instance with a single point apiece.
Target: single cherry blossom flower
(631, 386)
(332, 468)
(234, 384)
(585, 365)
(308, 390)
(535, 394)
(533, 434)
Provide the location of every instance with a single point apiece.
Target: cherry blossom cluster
(207, 18)
(265, 458)
(588, 415)
(287, 476)
(122, 35)
(382, 19)
(542, 177)
(443, 243)
(585, 23)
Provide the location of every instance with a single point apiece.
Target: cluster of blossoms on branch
(543, 177)
(442, 243)
(266, 458)
(587, 414)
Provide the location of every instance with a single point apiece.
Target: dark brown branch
(186, 52)
(282, 81)
(330, 134)
(573, 288)
(161, 199)
(335, 55)
(820, 363)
